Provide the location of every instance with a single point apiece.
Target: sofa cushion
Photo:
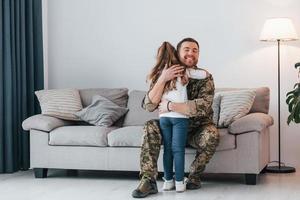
(261, 101)
(132, 136)
(102, 112)
(234, 105)
(136, 115)
(117, 95)
(60, 103)
(80, 136)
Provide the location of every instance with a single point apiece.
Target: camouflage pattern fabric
(150, 150)
(205, 140)
(202, 133)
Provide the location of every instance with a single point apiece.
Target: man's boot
(193, 183)
(145, 188)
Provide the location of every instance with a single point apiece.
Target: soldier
(202, 133)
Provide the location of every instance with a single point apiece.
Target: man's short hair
(186, 40)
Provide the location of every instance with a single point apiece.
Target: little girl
(173, 125)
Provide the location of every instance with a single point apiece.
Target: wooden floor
(94, 185)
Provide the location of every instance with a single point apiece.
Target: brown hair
(166, 57)
(186, 40)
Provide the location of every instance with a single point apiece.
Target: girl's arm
(153, 97)
(200, 106)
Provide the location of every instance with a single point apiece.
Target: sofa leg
(40, 172)
(250, 179)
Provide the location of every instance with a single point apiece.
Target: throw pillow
(60, 103)
(102, 112)
(234, 105)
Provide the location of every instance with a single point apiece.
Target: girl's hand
(170, 73)
(163, 106)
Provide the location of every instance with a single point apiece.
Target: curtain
(21, 73)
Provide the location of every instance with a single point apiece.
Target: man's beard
(189, 61)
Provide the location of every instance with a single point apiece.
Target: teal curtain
(21, 73)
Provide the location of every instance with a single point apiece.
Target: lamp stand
(279, 168)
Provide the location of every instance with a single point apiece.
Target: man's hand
(171, 73)
(163, 106)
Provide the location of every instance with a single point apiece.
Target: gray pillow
(102, 112)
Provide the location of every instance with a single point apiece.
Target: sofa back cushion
(118, 96)
(261, 101)
(136, 115)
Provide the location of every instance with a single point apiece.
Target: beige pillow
(60, 103)
(234, 105)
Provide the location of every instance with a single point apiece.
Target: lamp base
(282, 169)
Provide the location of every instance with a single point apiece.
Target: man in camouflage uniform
(202, 133)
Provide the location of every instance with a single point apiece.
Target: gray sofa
(60, 144)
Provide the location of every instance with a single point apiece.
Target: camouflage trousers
(205, 139)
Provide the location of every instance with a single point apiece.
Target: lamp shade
(278, 29)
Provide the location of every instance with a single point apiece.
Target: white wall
(101, 43)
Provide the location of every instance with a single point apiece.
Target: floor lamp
(278, 30)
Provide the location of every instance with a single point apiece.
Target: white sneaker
(181, 185)
(168, 184)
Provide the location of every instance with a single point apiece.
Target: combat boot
(193, 184)
(145, 188)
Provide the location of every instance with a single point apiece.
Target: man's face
(189, 54)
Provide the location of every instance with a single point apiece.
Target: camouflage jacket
(200, 98)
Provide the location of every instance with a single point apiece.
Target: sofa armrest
(44, 123)
(251, 122)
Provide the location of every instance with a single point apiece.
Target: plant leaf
(290, 92)
(293, 101)
(290, 118)
(297, 112)
(292, 104)
(297, 92)
(289, 99)
(297, 85)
